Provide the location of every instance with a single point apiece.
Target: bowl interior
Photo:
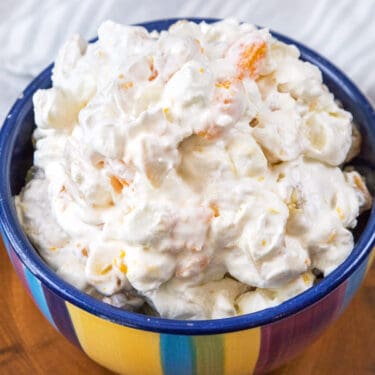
(17, 156)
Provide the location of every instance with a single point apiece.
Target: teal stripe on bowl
(209, 354)
(177, 354)
(37, 292)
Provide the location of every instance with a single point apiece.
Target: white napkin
(31, 31)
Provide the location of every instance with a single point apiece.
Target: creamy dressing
(196, 168)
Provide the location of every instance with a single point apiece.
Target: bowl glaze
(132, 343)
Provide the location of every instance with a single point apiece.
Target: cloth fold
(31, 31)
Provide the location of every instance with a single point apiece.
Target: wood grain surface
(29, 345)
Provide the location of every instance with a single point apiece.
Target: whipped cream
(196, 169)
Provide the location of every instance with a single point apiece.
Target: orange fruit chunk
(250, 58)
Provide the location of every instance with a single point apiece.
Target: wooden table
(29, 345)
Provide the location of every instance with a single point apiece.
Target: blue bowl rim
(12, 230)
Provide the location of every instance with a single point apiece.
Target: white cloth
(31, 31)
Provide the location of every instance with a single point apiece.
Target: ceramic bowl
(132, 343)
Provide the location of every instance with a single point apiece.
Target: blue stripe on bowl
(177, 354)
(60, 316)
(38, 295)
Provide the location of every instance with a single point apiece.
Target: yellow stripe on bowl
(241, 351)
(122, 349)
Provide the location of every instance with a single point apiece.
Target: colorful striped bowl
(136, 344)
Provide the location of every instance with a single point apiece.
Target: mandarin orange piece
(100, 164)
(123, 268)
(250, 58)
(118, 183)
(154, 72)
(106, 269)
(215, 209)
(126, 85)
(84, 252)
(223, 84)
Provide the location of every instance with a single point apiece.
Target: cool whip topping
(195, 169)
